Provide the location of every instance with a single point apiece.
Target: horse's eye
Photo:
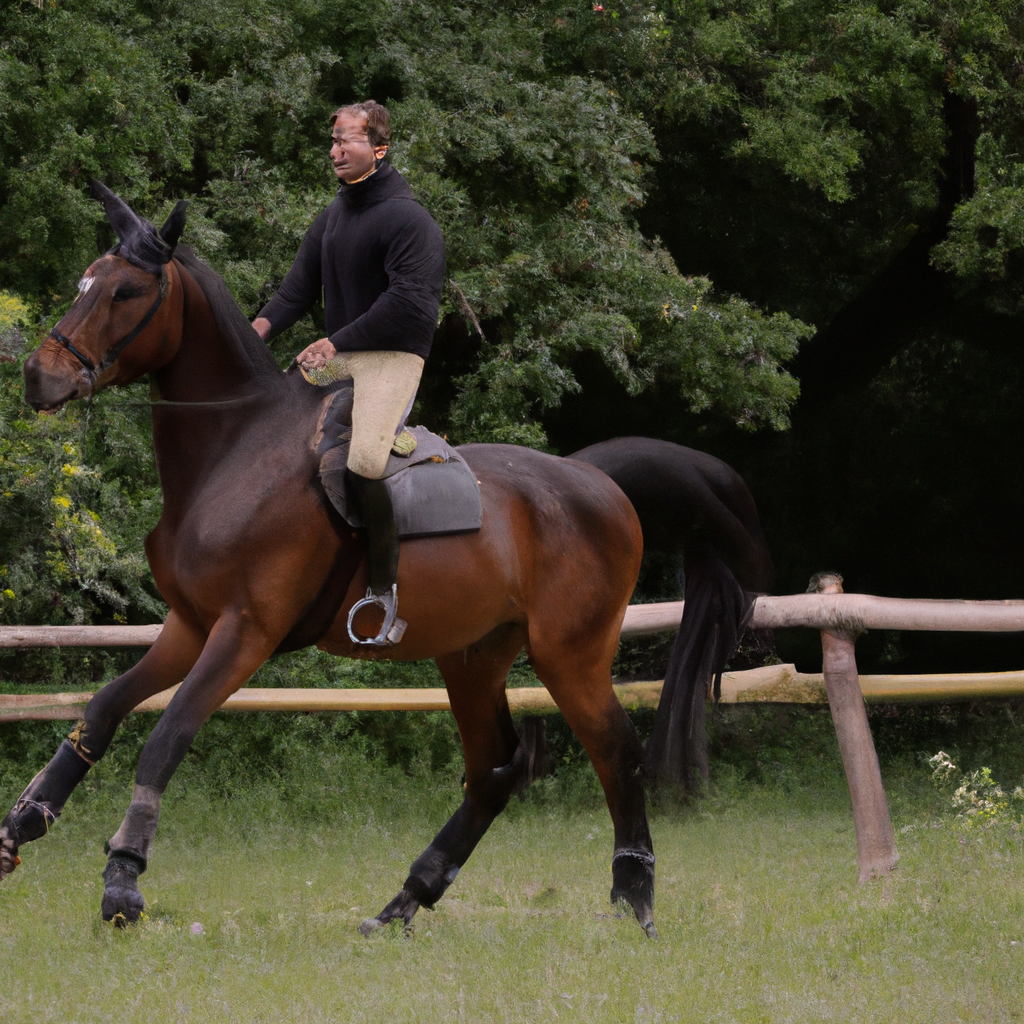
(126, 292)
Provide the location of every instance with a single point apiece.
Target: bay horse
(252, 560)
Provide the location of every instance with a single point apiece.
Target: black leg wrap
(44, 798)
(29, 820)
(429, 877)
(40, 805)
(66, 770)
(437, 867)
(122, 902)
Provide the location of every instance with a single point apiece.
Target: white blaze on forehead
(85, 284)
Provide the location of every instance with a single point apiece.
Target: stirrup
(393, 629)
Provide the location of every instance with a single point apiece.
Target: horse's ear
(123, 219)
(175, 224)
(140, 243)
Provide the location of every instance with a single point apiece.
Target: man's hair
(378, 127)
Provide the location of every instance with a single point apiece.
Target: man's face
(351, 153)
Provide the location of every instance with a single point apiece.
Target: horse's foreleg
(495, 766)
(229, 658)
(593, 712)
(39, 806)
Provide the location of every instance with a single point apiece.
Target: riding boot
(382, 560)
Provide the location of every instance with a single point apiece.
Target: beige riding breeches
(383, 387)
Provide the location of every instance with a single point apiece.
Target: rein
(170, 401)
(118, 347)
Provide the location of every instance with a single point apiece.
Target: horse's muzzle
(50, 384)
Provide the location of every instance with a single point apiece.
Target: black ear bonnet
(140, 243)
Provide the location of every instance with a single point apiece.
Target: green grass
(760, 915)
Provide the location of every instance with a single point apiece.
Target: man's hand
(261, 325)
(316, 355)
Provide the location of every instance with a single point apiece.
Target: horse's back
(579, 542)
(558, 497)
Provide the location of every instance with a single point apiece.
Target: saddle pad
(432, 489)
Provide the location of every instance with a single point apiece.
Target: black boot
(382, 560)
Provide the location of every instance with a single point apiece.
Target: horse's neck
(207, 366)
(224, 393)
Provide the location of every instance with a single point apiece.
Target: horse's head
(119, 326)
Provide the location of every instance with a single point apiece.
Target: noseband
(115, 350)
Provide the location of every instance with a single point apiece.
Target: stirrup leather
(393, 629)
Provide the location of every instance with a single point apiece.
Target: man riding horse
(549, 571)
(377, 258)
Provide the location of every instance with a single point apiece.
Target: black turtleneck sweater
(378, 259)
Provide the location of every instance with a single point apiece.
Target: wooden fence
(775, 683)
(840, 617)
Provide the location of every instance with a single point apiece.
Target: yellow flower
(9, 593)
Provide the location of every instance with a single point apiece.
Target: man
(377, 257)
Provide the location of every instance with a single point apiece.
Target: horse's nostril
(45, 391)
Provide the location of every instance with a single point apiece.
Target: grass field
(259, 880)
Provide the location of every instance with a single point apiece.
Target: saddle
(432, 488)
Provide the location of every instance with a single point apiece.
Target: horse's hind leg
(495, 765)
(164, 664)
(584, 695)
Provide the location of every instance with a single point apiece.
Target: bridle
(118, 347)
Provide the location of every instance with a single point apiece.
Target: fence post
(876, 847)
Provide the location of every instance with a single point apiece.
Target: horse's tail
(692, 503)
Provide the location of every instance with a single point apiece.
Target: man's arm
(300, 288)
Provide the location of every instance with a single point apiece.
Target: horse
(252, 560)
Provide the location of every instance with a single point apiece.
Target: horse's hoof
(122, 907)
(122, 902)
(371, 924)
(633, 886)
(402, 908)
(9, 858)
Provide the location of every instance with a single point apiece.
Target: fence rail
(850, 612)
(778, 684)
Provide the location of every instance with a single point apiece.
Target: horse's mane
(232, 323)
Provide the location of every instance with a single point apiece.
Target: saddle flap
(432, 489)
